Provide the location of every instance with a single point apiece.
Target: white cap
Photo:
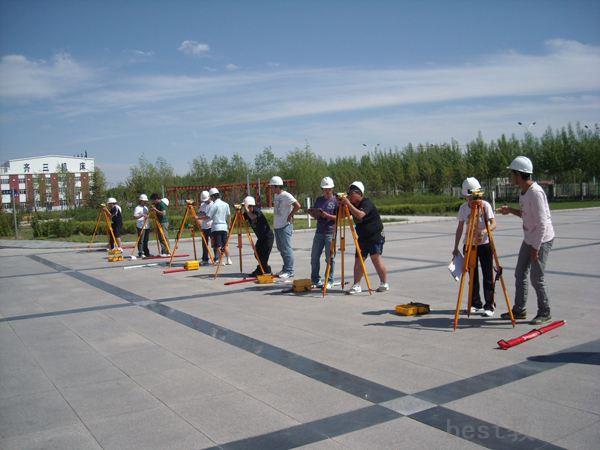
(249, 201)
(165, 201)
(111, 200)
(327, 183)
(469, 185)
(359, 185)
(143, 197)
(204, 195)
(521, 164)
(213, 191)
(276, 181)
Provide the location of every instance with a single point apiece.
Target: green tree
(98, 188)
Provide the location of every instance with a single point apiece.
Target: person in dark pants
(264, 234)
(140, 214)
(484, 251)
(116, 218)
(205, 226)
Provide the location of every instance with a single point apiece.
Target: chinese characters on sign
(82, 166)
(26, 167)
(45, 167)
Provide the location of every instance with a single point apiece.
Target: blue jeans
(537, 268)
(320, 241)
(283, 239)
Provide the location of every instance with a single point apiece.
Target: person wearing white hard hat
(369, 229)
(537, 241)
(264, 236)
(205, 226)
(324, 210)
(140, 214)
(482, 242)
(159, 207)
(219, 214)
(285, 206)
(116, 218)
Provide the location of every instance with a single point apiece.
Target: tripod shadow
(393, 312)
(444, 324)
(211, 276)
(592, 358)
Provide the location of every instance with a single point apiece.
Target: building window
(45, 167)
(6, 192)
(21, 179)
(23, 191)
(26, 168)
(6, 205)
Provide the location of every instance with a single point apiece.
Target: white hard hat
(469, 185)
(276, 181)
(249, 201)
(111, 200)
(359, 185)
(143, 197)
(165, 201)
(327, 183)
(213, 191)
(204, 195)
(521, 164)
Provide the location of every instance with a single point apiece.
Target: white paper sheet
(455, 267)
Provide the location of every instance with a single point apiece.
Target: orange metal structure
(230, 192)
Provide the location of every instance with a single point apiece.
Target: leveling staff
(264, 235)
(369, 228)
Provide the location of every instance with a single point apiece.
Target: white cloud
(194, 48)
(23, 79)
(231, 67)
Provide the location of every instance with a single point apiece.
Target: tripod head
(477, 194)
(190, 202)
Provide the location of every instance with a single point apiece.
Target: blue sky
(180, 79)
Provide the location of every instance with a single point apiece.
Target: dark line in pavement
(22, 275)
(316, 431)
(64, 312)
(479, 431)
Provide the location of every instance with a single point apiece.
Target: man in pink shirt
(537, 241)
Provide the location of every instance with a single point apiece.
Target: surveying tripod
(190, 212)
(104, 213)
(344, 218)
(470, 258)
(160, 235)
(239, 221)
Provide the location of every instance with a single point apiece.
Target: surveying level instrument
(190, 212)
(104, 213)
(470, 258)
(344, 218)
(239, 221)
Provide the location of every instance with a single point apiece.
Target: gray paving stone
(72, 437)
(109, 398)
(150, 359)
(30, 413)
(232, 416)
(408, 405)
(587, 438)
(157, 428)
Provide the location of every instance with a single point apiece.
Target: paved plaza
(93, 355)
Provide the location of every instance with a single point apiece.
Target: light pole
(527, 127)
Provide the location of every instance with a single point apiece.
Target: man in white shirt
(482, 243)
(283, 217)
(205, 225)
(538, 239)
(220, 214)
(140, 213)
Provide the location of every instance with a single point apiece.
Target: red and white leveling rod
(505, 345)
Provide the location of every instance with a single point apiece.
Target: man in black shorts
(116, 218)
(369, 228)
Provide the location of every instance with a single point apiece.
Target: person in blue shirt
(324, 210)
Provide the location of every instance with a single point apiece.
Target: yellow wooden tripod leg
(137, 242)
(497, 261)
(358, 249)
(239, 239)
(465, 268)
(262, 269)
(109, 227)
(181, 227)
(162, 238)
(332, 251)
(95, 230)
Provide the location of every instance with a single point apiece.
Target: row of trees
(570, 154)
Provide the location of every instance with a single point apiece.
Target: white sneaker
(319, 284)
(488, 313)
(383, 287)
(476, 310)
(285, 275)
(356, 289)
(228, 263)
(165, 255)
